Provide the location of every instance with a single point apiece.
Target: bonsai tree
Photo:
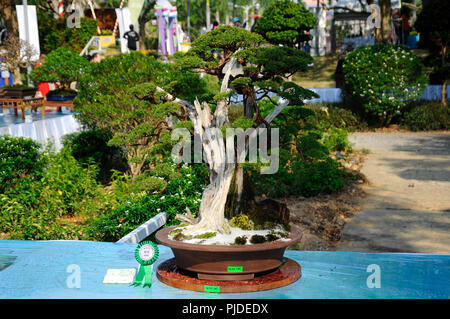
(431, 22)
(255, 68)
(286, 22)
(62, 65)
(17, 54)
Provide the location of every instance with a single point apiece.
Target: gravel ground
(408, 204)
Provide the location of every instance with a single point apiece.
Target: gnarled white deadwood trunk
(212, 207)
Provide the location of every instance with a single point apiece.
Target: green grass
(319, 74)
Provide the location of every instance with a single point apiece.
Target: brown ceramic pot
(215, 259)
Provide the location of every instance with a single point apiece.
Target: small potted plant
(62, 65)
(16, 54)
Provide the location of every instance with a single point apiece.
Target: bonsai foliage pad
(171, 275)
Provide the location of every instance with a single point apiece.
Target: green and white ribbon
(146, 254)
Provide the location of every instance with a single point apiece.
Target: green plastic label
(235, 269)
(212, 288)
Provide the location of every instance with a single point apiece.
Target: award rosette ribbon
(146, 254)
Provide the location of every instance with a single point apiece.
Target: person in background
(4, 73)
(237, 22)
(252, 29)
(96, 57)
(215, 25)
(397, 22)
(43, 87)
(132, 38)
(405, 25)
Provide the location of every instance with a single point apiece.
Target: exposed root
(187, 218)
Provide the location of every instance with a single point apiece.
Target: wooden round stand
(171, 275)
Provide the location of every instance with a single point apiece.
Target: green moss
(206, 235)
(240, 240)
(272, 237)
(242, 222)
(175, 231)
(180, 236)
(258, 239)
(283, 234)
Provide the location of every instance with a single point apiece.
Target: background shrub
(91, 146)
(382, 79)
(336, 139)
(328, 114)
(19, 158)
(427, 116)
(39, 206)
(54, 33)
(306, 167)
(184, 188)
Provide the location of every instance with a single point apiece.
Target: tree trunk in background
(241, 191)
(144, 17)
(444, 85)
(444, 93)
(208, 16)
(384, 34)
(8, 10)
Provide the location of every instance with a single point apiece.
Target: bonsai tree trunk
(17, 77)
(212, 207)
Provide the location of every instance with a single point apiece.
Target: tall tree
(8, 12)
(385, 11)
(434, 24)
(145, 16)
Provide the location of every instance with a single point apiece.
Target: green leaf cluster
(286, 22)
(62, 65)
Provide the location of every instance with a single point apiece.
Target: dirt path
(408, 204)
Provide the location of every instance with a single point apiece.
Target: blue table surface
(40, 270)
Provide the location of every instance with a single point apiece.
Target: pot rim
(162, 236)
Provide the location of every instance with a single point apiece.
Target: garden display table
(22, 103)
(42, 269)
(34, 103)
(59, 104)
